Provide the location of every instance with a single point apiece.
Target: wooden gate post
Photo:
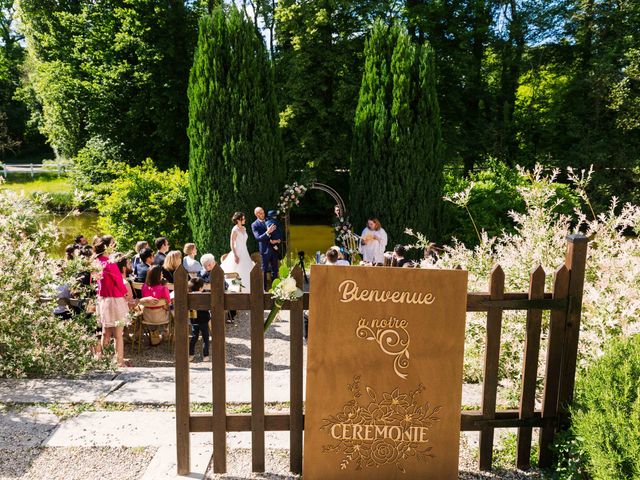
(181, 326)
(218, 372)
(575, 261)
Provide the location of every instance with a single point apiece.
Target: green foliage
(397, 162)
(606, 413)
(97, 164)
(144, 204)
(318, 69)
(32, 341)
(115, 69)
(235, 159)
(494, 193)
(571, 459)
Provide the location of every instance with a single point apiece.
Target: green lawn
(40, 183)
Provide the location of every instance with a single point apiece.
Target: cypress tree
(397, 162)
(235, 159)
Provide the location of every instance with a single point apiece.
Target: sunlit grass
(40, 184)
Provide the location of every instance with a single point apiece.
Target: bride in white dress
(238, 259)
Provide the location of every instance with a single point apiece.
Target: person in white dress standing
(373, 242)
(239, 260)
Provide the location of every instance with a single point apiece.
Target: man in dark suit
(262, 234)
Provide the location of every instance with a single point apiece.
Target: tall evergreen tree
(235, 160)
(397, 160)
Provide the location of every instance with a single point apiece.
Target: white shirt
(191, 265)
(373, 250)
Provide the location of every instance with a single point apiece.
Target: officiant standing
(373, 242)
(262, 234)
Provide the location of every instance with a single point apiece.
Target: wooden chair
(152, 317)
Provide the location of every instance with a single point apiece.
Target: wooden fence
(32, 168)
(564, 302)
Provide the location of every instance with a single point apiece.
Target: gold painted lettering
(333, 433)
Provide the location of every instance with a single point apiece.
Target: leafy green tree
(117, 69)
(146, 203)
(235, 159)
(319, 64)
(397, 161)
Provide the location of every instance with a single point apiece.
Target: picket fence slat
(218, 371)
(530, 369)
(491, 367)
(257, 370)
(564, 304)
(296, 394)
(181, 313)
(557, 325)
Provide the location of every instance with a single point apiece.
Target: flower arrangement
(342, 227)
(282, 289)
(290, 197)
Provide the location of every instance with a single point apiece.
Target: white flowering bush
(283, 289)
(32, 341)
(611, 303)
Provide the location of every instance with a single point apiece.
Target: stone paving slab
(27, 428)
(54, 390)
(157, 386)
(141, 429)
(163, 466)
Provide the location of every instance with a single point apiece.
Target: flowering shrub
(283, 288)
(32, 341)
(290, 197)
(611, 303)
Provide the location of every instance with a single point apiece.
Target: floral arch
(292, 195)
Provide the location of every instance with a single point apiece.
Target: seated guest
(190, 264)
(154, 286)
(208, 262)
(333, 258)
(146, 260)
(138, 248)
(80, 241)
(199, 324)
(70, 252)
(162, 247)
(171, 263)
(398, 253)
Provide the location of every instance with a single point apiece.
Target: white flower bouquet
(282, 289)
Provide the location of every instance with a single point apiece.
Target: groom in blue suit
(262, 234)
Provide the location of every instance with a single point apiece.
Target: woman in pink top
(155, 287)
(112, 309)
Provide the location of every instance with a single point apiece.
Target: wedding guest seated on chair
(146, 260)
(190, 264)
(208, 262)
(333, 257)
(162, 247)
(154, 286)
(171, 263)
(139, 247)
(399, 252)
(199, 324)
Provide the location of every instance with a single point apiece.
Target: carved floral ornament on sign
(373, 431)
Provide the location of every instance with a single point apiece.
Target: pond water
(307, 238)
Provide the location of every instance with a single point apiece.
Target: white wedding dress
(245, 265)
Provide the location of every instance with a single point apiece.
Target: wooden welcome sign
(384, 373)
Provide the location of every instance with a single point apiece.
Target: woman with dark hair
(238, 260)
(373, 242)
(154, 286)
(157, 315)
(70, 252)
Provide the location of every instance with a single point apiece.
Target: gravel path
(74, 463)
(238, 352)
